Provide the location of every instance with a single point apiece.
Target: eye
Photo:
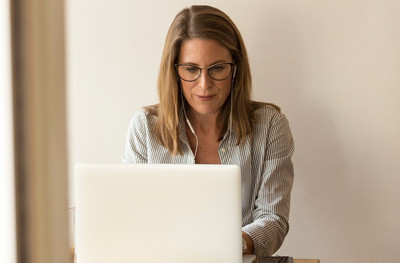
(190, 69)
(218, 68)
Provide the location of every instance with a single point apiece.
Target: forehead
(203, 52)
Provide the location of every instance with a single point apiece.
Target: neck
(204, 123)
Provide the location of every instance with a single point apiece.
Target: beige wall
(333, 67)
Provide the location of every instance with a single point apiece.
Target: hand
(249, 243)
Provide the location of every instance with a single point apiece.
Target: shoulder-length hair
(203, 22)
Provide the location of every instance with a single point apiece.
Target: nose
(205, 80)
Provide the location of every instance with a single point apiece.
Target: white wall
(333, 67)
(8, 251)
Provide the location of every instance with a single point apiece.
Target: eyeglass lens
(216, 72)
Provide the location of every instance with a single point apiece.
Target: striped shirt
(265, 162)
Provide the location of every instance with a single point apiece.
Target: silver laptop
(157, 213)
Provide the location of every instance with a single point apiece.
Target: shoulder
(266, 112)
(272, 130)
(144, 117)
(268, 120)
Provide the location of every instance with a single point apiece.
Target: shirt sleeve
(136, 139)
(271, 211)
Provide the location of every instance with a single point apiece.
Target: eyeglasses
(219, 71)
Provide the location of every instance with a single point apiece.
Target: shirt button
(222, 150)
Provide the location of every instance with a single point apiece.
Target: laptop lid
(157, 213)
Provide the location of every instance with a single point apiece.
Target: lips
(205, 98)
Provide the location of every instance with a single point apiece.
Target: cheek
(225, 89)
(186, 88)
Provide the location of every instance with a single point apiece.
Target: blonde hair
(204, 22)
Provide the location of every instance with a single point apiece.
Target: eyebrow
(195, 64)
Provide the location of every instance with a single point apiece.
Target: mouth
(205, 98)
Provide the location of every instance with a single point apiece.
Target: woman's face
(205, 95)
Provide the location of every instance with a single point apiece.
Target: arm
(271, 209)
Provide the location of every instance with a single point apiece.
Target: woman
(206, 116)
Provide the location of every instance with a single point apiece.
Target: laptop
(158, 213)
